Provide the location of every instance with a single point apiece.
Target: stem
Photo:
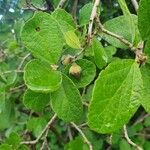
(135, 4)
(83, 135)
(61, 4)
(93, 16)
(129, 140)
(23, 60)
(41, 134)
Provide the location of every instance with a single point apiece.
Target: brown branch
(129, 140)
(140, 56)
(41, 134)
(93, 16)
(83, 135)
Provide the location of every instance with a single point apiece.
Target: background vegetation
(19, 123)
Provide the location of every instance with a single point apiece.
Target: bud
(75, 70)
(67, 59)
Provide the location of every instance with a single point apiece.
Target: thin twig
(83, 135)
(41, 134)
(135, 4)
(93, 16)
(32, 7)
(69, 133)
(129, 140)
(23, 60)
(141, 119)
(61, 4)
(83, 125)
(10, 71)
(74, 9)
(17, 88)
(45, 140)
(120, 38)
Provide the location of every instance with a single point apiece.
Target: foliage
(73, 74)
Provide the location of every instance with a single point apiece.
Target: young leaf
(145, 100)
(40, 77)
(115, 97)
(66, 101)
(144, 19)
(120, 26)
(85, 13)
(42, 36)
(100, 55)
(72, 40)
(35, 101)
(87, 74)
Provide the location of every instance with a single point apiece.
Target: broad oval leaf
(115, 97)
(72, 40)
(66, 101)
(61, 14)
(145, 100)
(35, 101)
(41, 36)
(100, 55)
(88, 72)
(40, 77)
(144, 19)
(85, 13)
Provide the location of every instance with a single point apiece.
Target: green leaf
(5, 147)
(72, 145)
(14, 140)
(85, 13)
(42, 36)
(144, 19)
(66, 101)
(100, 55)
(36, 125)
(72, 40)
(116, 96)
(124, 145)
(40, 77)
(62, 15)
(145, 100)
(128, 17)
(35, 101)
(119, 26)
(88, 72)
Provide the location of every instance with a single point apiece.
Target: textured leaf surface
(87, 75)
(41, 35)
(100, 55)
(115, 96)
(66, 101)
(117, 25)
(145, 100)
(144, 18)
(40, 77)
(85, 13)
(72, 40)
(36, 101)
(62, 15)
(128, 17)
(147, 50)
